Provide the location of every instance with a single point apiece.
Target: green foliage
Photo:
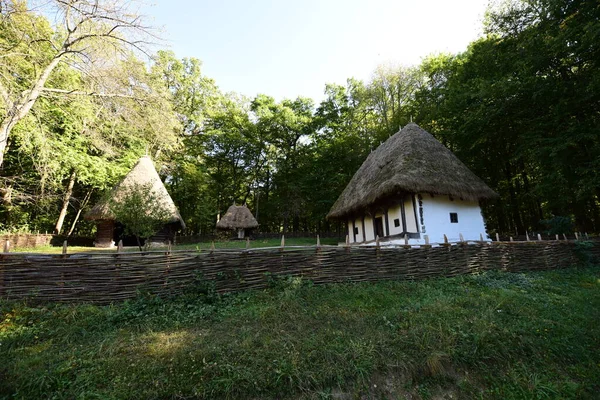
(141, 210)
(494, 336)
(519, 107)
(558, 225)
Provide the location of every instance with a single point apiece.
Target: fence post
(377, 242)
(282, 241)
(527, 236)
(497, 237)
(461, 237)
(406, 239)
(586, 236)
(426, 237)
(347, 240)
(511, 239)
(247, 243)
(539, 237)
(446, 240)
(212, 246)
(557, 236)
(481, 237)
(565, 236)
(64, 249)
(7, 246)
(120, 246)
(576, 236)
(318, 241)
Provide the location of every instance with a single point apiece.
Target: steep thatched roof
(413, 161)
(237, 217)
(143, 173)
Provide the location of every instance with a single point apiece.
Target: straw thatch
(143, 173)
(411, 161)
(237, 217)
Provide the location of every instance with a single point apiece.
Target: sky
(287, 48)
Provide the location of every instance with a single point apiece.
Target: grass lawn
(495, 335)
(225, 244)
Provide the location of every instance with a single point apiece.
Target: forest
(84, 94)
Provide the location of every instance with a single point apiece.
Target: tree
(141, 211)
(88, 31)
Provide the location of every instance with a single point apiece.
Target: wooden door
(379, 227)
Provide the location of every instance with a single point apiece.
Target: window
(396, 222)
(454, 218)
(356, 231)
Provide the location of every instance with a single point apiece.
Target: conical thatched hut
(412, 185)
(142, 174)
(237, 218)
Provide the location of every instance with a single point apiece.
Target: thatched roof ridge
(237, 217)
(143, 173)
(412, 161)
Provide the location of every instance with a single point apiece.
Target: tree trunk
(65, 206)
(83, 204)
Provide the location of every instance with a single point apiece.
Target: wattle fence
(108, 277)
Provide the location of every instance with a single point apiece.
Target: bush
(558, 225)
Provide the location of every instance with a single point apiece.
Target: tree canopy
(80, 103)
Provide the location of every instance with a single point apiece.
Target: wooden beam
(417, 220)
(403, 215)
(387, 223)
(364, 234)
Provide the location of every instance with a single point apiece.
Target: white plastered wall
(409, 212)
(369, 232)
(436, 218)
(395, 213)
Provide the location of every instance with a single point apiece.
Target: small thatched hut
(143, 173)
(237, 218)
(412, 185)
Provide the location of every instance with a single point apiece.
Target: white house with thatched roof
(238, 218)
(412, 186)
(143, 174)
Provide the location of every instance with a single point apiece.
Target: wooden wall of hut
(104, 234)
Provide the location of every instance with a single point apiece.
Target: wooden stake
(169, 246)
(527, 235)
(120, 246)
(377, 241)
(539, 237)
(318, 241)
(576, 236)
(7, 246)
(64, 250)
(586, 236)
(212, 245)
(481, 237)
(406, 240)
(445, 239)
(247, 242)
(347, 240)
(460, 235)
(565, 236)
(497, 237)
(511, 239)
(282, 241)
(557, 236)
(426, 239)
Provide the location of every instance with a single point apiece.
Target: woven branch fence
(105, 278)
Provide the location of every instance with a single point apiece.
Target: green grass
(223, 244)
(495, 335)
